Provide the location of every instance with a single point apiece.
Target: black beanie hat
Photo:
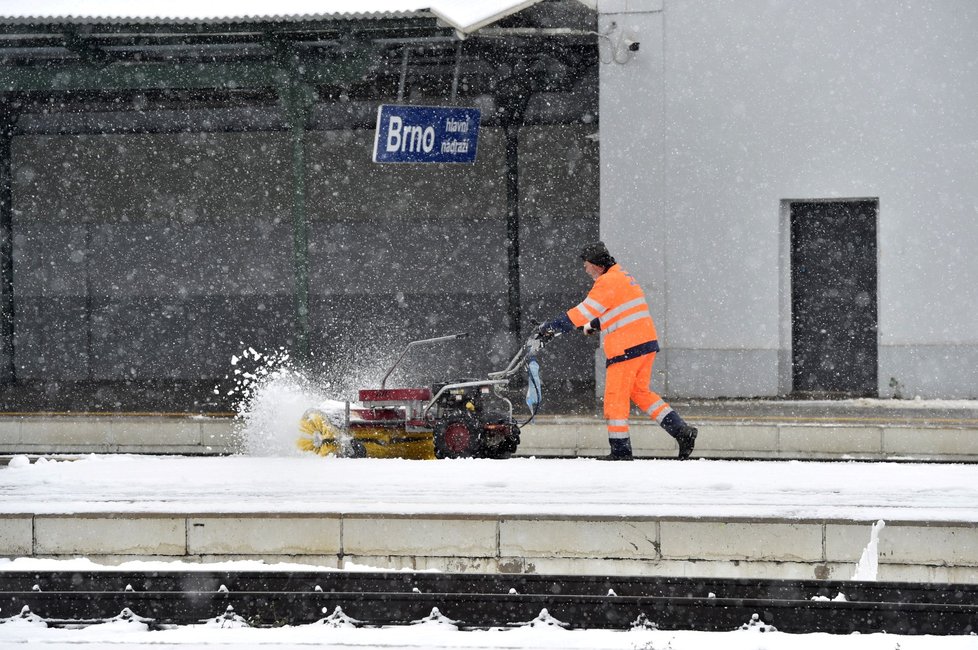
(597, 254)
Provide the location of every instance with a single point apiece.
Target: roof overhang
(465, 16)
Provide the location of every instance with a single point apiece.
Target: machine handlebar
(437, 339)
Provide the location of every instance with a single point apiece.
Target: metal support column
(8, 369)
(297, 99)
(514, 309)
(512, 98)
(300, 235)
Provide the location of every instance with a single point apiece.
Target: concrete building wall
(727, 110)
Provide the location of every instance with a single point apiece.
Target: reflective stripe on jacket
(618, 303)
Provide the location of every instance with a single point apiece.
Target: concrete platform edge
(911, 551)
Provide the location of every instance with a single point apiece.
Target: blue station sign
(426, 134)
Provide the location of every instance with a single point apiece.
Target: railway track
(271, 598)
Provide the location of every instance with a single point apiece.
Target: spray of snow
(272, 393)
(868, 566)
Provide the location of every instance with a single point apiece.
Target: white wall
(731, 106)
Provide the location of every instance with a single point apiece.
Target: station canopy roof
(63, 57)
(465, 16)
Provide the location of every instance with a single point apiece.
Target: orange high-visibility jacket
(619, 304)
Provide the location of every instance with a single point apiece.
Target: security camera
(623, 43)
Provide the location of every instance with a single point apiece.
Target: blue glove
(554, 327)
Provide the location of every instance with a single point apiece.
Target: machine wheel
(503, 448)
(456, 436)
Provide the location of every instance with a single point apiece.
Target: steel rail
(270, 598)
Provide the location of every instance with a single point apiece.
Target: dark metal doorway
(834, 298)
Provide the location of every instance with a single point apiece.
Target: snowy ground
(860, 491)
(120, 636)
(655, 488)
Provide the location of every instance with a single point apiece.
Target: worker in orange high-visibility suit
(616, 307)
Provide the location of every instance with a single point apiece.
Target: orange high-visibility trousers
(626, 382)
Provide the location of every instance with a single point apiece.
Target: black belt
(634, 352)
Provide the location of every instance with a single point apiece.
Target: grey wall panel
(409, 254)
(51, 338)
(181, 177)
(559, 171)
(559, 179)
(161, 258)
(550, 262)
(720, 373)
(165, 338)
(928, 371)
(49, 259)
(146, 338)
(153, 258)
(343, 182)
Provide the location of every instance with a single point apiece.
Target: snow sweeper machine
(458, 419)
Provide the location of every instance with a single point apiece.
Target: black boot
(621, 449)
(687, 440)
(684, 434)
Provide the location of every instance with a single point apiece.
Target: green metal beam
(162, 76)
(371, 26)
(300, 237)
(297, 98)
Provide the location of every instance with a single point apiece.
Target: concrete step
(151, 433)
(754, 430)
(787, 439)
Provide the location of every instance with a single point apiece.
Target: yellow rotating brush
(318, 435)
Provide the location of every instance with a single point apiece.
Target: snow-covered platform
(805, 430)
(776, 519)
